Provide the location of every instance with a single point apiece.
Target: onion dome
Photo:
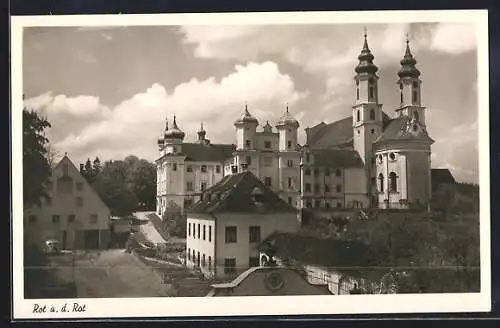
(365, 58)
(268, 128)
(288, 120)
(246, 117)
(408, 63)
(202, 133)
(174, 132)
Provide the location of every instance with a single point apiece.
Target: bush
(35, 271)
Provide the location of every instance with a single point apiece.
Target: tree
(143, 182)
(97, 167)
(36, 167)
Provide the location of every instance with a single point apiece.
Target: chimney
(234, 169)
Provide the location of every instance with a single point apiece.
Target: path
(148, 229)
(110, 273)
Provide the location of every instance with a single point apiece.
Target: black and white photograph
(257, 163)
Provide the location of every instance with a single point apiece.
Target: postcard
(233, 164)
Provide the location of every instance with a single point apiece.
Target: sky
(108, 90)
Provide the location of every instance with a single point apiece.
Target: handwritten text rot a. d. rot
(72, 307)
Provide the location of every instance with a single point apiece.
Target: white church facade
(367, 160)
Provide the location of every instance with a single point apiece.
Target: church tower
(367, 113)
(246, 127)
(409, 86)
(288, 158)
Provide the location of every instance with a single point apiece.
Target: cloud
(454, 38)
(133, 126)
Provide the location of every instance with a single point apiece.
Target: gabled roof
(336, 134)
(199, 152)
(243, 193)
(441, 176)
(337, 158)
(332, 253)
(401, 128)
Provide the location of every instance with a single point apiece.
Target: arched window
(401, 96)
(381, 182)
(358, 116)
(357, 93)
(393, 182)
(415, 114)
(372, 115)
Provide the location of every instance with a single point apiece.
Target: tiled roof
(401, 129)
(337, 158)
(333, 253)
(199, 152)
(441, 176)
(243, 193)
(336, 134)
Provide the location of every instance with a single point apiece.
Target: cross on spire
(365, 30)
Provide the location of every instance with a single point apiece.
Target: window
(209, 263)
(247, 143)
(290, 200)
(188, 203)
(32, 219)
(357, 93)
(415, 84)
(93, 218)
(79, 201)
(415, 115)
(337, 172)
(289, 144)
(267, 144)
(373, 181)
(308, 204)
(327, 188)
(71, 218)
(253, 262)
(327, 205)
(307, 171)
(371, 90)
(393, 182)
(289, 182)
(189, 229)
(308, 157)
(372, 115)
(254, 234)
(268, 161)
(339, 188)
(199, 231)
(189, 254)
(249, 160)
(327, 172)
(204, 232)
(210, 233)
(204, 169)
(198, 258)
(189, 186)
(231, 235)
(392, 156)
(316, 187)
(308, 187)
(381, 182)
(203, 261)
(415, 96)
(372, 131)
(401, 95)
(358, 115)
(317, 203)
(189, 168)
(194, 256)
(267, 181)
(174, 149)
(289, 163)
(203, 186)
(55, 219)
(230, 266)
(217, 168)
(79, 186)
(174, 166)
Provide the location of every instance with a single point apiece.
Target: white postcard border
(250, 305)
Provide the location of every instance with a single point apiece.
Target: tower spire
(365, 58)
(408, 63)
